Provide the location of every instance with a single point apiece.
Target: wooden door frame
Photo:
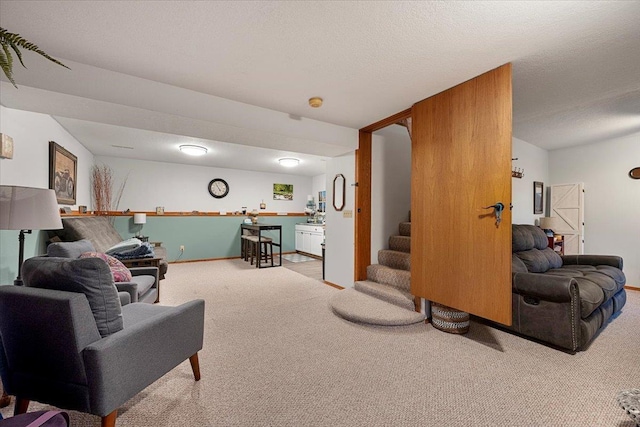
(362, 247)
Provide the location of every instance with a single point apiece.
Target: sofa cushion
(118, 270)
(517, 266)
(555, 261)
(144, 282)
(69, 249)
(535, 260)
(90, 276)
(595, 284)
(521, 238)
(97, 229)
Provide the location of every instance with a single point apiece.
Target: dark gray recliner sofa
(562, 300)
(101, 233)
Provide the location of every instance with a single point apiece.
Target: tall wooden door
(461, 164)
(567, 203)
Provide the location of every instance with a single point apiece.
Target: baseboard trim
(181, 261)
(333, 285)
(632, 288)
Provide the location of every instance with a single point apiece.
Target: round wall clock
(218, 188)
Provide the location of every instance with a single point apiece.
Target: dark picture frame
(339, 189)
(63, 173)
(538, 197)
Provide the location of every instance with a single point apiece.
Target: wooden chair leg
(271, 251)
(5, 400)
(195, 366)
(110, 420)
(21, 406)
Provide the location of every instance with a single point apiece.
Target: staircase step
(395, 259)
(405, 229)
(400, 279)
(362, 308)
(400, 243)
(386, 293)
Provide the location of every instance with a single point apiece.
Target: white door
(567, 203)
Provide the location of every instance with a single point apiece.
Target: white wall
(612, 199)
(390, 185)
(339, 231)
(318, 183)
(535, 162)
(184, 188)
(31, 133)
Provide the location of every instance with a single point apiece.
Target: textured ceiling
(173, 66)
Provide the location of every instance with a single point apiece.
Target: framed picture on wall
(63, 171)
(538, 200)
(282, 191)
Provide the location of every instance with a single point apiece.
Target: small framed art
(63, 169)
(538, 200)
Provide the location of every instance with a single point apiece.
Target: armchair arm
(130, 288)
(612, 260)
(544, 286)
(121, 365)
(145, 271)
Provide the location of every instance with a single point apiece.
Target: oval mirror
(635, 173)
(339, 185)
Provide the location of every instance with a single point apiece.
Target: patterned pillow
(119, 271)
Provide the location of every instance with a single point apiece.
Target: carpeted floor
(275, 355)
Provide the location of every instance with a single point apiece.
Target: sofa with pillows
(101, 233)
(562, 300)
(137, 284)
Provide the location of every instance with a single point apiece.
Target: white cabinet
(309, 239)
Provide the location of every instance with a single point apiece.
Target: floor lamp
(27, 209)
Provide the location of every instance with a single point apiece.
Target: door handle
(497, 210)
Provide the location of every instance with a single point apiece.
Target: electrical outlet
(181, 248)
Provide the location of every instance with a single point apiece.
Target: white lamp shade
(140, 218)
(27, 208)
(552, 223)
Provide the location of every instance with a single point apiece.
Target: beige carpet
(275, 355)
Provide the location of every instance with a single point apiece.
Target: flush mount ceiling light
(193, 150)
(315, 102)
(289, 162)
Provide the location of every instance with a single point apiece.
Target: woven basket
(449, 319)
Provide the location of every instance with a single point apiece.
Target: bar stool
(255, 248)
(244, 244)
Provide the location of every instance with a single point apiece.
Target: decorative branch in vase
(102, 189)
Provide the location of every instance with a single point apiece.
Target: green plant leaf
(6, 63)
(18, 53)
(16, 42)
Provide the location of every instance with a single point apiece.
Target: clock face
(218, 188)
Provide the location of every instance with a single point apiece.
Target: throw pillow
(69, 249)
(90, 276)
(119, 271)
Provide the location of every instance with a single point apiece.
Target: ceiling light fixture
(315, 102)
(289, 162)
(193, 150)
